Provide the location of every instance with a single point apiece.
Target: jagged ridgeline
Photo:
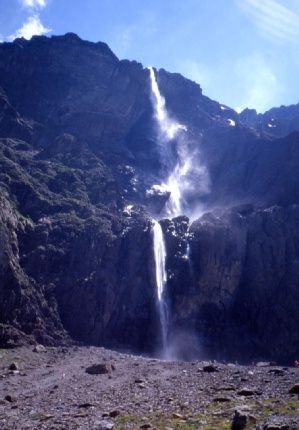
(97, 157)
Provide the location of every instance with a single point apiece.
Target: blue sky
(242, 52)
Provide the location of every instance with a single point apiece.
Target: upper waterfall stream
(170, 130)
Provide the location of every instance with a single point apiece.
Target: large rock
(100, 369)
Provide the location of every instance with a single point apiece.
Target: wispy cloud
(260, 85)
(196, 71)
(31, 27)
(133, 34)
(275, 20)
(34, 3)
(126, 38)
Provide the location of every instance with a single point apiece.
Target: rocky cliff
(276, 122)
(78, 150)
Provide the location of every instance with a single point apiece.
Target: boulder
(100, 369)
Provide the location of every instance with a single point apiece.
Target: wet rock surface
(55, 392)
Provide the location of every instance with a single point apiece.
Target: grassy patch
(216, 416)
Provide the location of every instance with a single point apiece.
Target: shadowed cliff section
(242, 276)
(77, 149)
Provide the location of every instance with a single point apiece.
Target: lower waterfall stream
(161, 281)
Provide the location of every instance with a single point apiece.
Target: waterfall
(188, 177)
(161, 280)
(170, 130)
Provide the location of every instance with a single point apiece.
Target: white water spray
(168, 127)
(187, 176)
(187, 173)
(161, 279)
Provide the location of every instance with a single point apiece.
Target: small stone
(14, 366)
(139, 381)
(294, 389)
(247, 392)
(10, 398)
(210, 368)
(46, 417)
(278, 372)
(240, 420)
(114, 413)
(85, 405)
(263, 364)
(100, 369)
(226, 388)
(39, 348)
(145, 426)
(81, 415)
(40, 416)
(221, 399)
(177, 416)
(276, 427)
(103, 425)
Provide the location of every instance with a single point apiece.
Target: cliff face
(242, 276)
(77, 149)
(275, 122)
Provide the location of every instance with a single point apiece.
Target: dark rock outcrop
(277, 122)
(243, 275)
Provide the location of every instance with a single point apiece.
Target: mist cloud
(31, 27)
(34, 3)
(260, 85)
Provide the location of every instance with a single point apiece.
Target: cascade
(161, 280)
(170, 129)
(186, 176)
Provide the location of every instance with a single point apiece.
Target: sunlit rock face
(81, 176)
(277, 122)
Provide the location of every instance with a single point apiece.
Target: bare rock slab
(100, 369)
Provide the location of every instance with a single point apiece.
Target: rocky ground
(60, 388)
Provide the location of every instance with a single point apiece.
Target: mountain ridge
(78, 148)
